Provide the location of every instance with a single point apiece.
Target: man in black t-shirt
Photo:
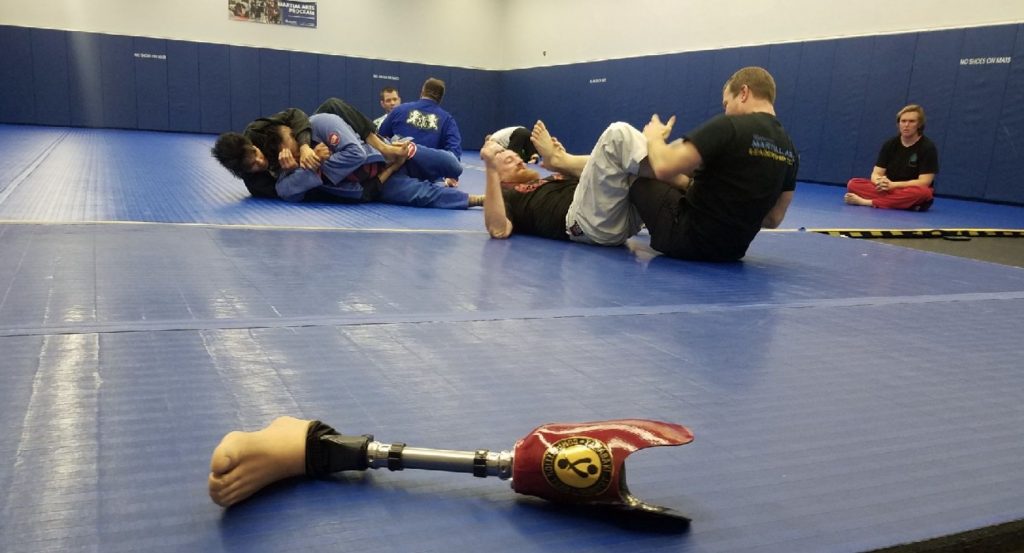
(904, 173)
(743, 167)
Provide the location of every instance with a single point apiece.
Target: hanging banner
(275, 12)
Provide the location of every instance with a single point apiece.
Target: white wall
(508, 34)
(441, 32)
(553, 32)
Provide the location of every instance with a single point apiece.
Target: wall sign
(274, 12)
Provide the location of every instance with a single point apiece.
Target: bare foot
(476, 200)
(555, 157)
(392, 152)
(854, 199)
(548, 147)
(245, 462)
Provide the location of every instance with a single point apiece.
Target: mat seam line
(363, 320)
(9, 189)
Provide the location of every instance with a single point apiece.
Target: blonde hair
(920, 115)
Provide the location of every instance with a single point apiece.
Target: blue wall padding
(359, 85)
(303, 85)
(784, 65)
(838, 98)
(844, 111)
(689, 91)
(932, 81)
(331, 75)
(966, 153)
(274, 86)
(1004, 177)
(215, 88)
(807, 120)
(151, 86)
(16, 93)
(892, 57)
(49, 77)
(117, 92)
(184, 99)
(85, 71)
(475, 106)
(244, 74)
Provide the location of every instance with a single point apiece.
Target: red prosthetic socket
(584, 462)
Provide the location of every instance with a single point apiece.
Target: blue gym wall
(837, 97)
(95, 80)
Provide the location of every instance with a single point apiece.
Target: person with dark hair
(352, 171)
(704, 198)
(389, 98)
(904, 173)
(424, 121)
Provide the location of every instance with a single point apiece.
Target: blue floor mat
(81, 175)
(841, 400)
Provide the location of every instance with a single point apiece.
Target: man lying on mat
(904, 174)
(704, 198)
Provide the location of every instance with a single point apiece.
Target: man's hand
(287, 160)
(308, 158)
(883, 184)
(322, 151)
(489, 151)
(656, 130)
(450, 182)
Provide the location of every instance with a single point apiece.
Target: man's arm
(497, 222)
(373, 188)
(877, 174)
(669, 160)
(293, 185)
(924, 180)
(778, 211)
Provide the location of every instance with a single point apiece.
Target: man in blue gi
(425, 122)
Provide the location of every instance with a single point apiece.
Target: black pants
(355, 118)
(665, 212)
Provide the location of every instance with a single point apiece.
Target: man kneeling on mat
(704, 198)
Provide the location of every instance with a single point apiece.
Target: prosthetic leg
(577, 463)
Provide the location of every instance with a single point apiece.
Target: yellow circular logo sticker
(578, 466)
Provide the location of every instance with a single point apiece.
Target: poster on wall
(275, 12)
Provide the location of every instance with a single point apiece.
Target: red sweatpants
(907, 197)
